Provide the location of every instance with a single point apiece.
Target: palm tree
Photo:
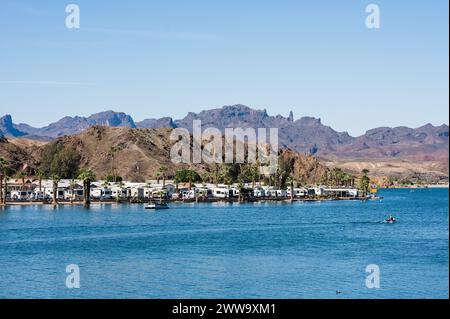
(241, 190)
(5, 189)
(112, 152)
(206, 177)
(72, 186)
(55, 179)
(40, 174)
(21, 175)
(3, 168)
(216, 174)
(364, 182)
(254, 175)
(87, 176)
(325, 179)
(191, 175)
(158, 177)
(291, 180)
(119, 195)
(227, 174)
(162, 171)
(345, 179)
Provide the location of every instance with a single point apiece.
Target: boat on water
(390, 220)
(156, 206)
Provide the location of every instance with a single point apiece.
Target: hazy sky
(158, 58)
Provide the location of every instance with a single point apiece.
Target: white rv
(221, 192)
(21, 195)
(101, 193)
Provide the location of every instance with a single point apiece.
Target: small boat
(390, 220)
(156, 206)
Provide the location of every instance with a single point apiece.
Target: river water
(221, 250)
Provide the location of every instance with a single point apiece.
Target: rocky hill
(17, 155)
(140, 153)
(305, 135)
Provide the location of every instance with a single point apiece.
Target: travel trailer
(221, 192)
(59, 195)
(117, 192)
(137, 193)
(39, 195)
(259, 192)
(21, 195)
(298, 192)
(101, 193)
(73, 194)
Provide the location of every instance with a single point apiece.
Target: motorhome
(118, 192)
(73, 194)
(101, 193)
(188, 194)
(340, 192)
(205, 192)
(21, 195)
(38, 195)
(281, 193)
(221, 192)
(271, 192)
(137, 192)
(298, 192)
(59, 194)
(259, 192)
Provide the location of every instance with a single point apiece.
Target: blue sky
(164, 58)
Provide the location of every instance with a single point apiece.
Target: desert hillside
(139, 153)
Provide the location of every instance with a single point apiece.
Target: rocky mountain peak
(7, 127)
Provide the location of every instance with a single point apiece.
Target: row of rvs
(145, 192)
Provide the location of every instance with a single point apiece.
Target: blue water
(258, 250)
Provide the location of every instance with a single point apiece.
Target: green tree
(87, 176)
(21, 175)
(187, 176)
(55, 178)
(40, 175)
(216, 173)
(114, 179)
(5, 188)
(364, 182)
(3, 176)
(59, 159)
(291, 181)
(163, 171)
(72, 186)
(325, 179)
(112, 153)
(241, 190)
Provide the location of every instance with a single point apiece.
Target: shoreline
(189, 201)
(208, 200)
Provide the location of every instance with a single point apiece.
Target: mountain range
(305, 135)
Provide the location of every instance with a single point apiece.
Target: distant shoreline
(189, 201)
(418, 187)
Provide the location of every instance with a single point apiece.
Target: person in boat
(391, 219)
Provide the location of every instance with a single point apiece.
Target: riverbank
(208, 200)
